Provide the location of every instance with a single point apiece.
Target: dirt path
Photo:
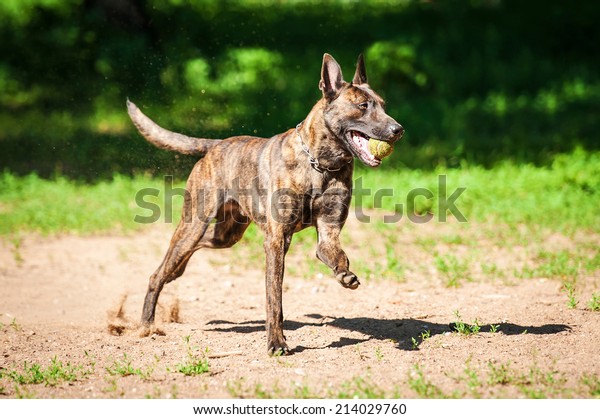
(385, 339)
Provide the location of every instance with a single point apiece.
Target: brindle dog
(286, 183)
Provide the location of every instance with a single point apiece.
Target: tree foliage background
(473, 82)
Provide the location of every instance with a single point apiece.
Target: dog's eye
(363, 105)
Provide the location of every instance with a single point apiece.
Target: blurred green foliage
(478, 81)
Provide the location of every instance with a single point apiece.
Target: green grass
(560, 265)
(592, 383)
(561, 197)
(463, 328)
(499, 374)
(500, 380)
(193, 364)
(594, 303)
(452, 269)
(54, 374)
(422, 386)
(30, 203)
(123, 367)
(424, 336)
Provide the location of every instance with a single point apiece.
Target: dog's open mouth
(359, 144)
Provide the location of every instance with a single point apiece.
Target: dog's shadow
(407, 333)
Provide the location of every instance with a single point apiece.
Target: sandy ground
(386, 339)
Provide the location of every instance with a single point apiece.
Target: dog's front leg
(329, 251)
(276, 246)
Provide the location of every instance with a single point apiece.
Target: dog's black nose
(397, 130)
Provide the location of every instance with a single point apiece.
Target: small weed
(415, 343)
(469, 377)
(421, 386)
(388, 266)
(156, 393)
(552, 265)
(491, 269)
(538, 384)
(378, 354)
(112, 386)
(472, 379)
(594, 303)
(194, 364)
(494, 328)
(532, 392)
(261, 393)
(452, 269)
(124, 368)
(424, 336)
(499, 374)
(92, 360)
(303, 392)
(16, 326)
(174, 391)
(592, 382)
(394, 268)
(236, 388)
(359, 352)
(463, 328)
(52, 375)
(570, 287)
(17, 255)
(563, 265)
(21, 393)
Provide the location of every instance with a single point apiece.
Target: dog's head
(353, 112)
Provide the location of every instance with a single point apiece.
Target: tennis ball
(380, 149)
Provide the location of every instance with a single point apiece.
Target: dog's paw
(348, 280)
(278, 349)
(145, 331)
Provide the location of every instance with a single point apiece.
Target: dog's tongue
(361, 141)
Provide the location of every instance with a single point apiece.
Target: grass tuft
(52, 375)
(123, 367)
(193, 364)
(463, 328)
(594, 303)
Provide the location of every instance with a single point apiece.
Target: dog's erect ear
(331, 77)
(360, 77)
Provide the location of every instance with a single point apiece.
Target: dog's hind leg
(330, 252)
(224, 230)
(183, 244)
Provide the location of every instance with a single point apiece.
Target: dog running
(294, 180)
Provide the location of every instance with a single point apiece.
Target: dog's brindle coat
(313, 164)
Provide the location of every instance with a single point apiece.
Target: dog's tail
(166, 139)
